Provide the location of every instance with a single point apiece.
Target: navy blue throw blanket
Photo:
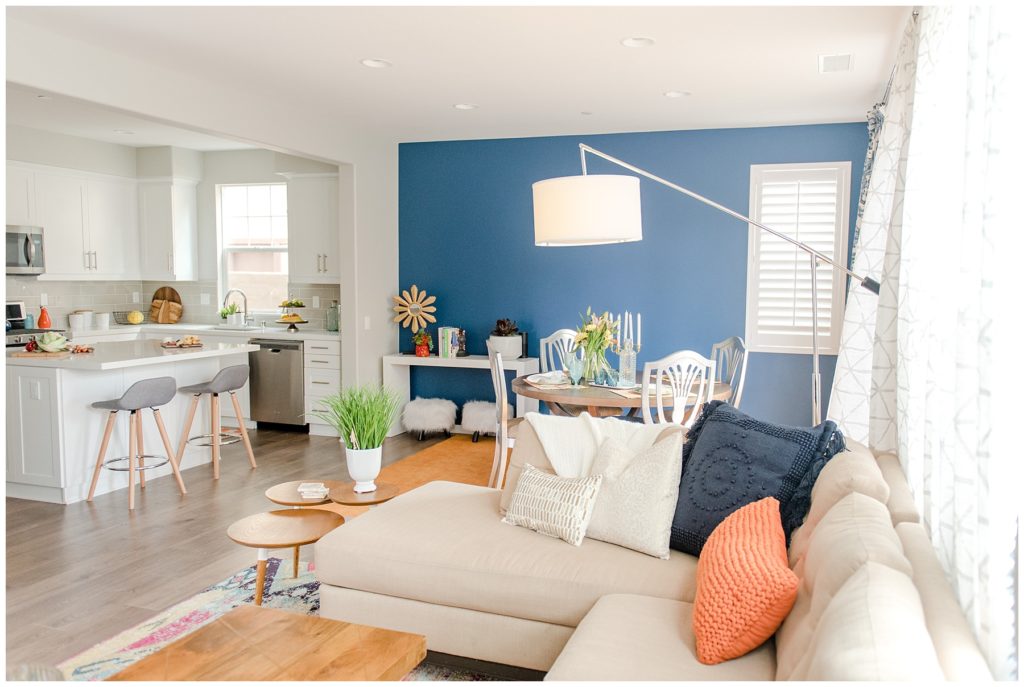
(730, 459)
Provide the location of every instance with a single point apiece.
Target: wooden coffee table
(252, 643)
(280, 529)
(344, 494)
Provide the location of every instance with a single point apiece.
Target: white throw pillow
(552, 505)
(638, 495)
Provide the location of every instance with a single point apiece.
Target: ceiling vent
(834, 63)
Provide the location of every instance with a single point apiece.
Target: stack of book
(447, 342)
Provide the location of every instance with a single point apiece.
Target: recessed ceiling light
(465, 106)
(124, 132)
(375, 63)
(676, 94)
(43, 97)
(638, 42)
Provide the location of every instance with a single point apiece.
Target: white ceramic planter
(510, 347)
(363, 467)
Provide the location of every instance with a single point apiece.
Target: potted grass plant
(362, 416)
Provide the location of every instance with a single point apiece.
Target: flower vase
(423, 351)
(363, 467)
(594, 364)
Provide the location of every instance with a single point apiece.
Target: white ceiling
(76, 118)
(531, 70)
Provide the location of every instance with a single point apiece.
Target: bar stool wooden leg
(142, 451)
(241, 428)
(215, 430)
(167, 447)
(295, 562)
(189, 417)
(261, 573)
(131, 461)
(103, 452)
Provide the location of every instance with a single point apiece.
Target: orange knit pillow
(745, 588)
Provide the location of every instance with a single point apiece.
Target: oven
(25, 250)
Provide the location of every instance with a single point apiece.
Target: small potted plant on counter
(423, 342)
(362, 416)
(505, 339)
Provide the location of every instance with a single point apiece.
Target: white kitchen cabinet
(313, 229)
(114, 228)
(33, 442)
(168, 238)
(21, 196)
(62, 205)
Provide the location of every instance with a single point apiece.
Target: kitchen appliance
(17, 334)
(276, 384)
(25, 250)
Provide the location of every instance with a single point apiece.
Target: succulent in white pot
(362, 416)
(505, 339)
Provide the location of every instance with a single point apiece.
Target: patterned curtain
(938, 236)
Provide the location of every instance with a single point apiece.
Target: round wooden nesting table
(279, 529)
(287, 493)
(344, 495)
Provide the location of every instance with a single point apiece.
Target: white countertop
(115, 355)
(195, 328)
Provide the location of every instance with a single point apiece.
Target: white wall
(71, 152)
(49, 61)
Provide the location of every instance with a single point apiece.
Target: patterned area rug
(299, 594)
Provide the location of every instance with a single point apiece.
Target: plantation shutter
(809, 203)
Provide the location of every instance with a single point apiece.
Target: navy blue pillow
(730, 459)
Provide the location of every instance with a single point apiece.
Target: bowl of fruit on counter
(288, 314)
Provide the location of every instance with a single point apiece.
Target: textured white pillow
(638, 495)
(552, 505)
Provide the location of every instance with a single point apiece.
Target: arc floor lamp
(596, 209)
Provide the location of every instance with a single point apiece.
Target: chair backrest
(555, 348)
(500, 390)
(730, 358)
(686, 378)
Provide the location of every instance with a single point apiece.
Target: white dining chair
(555, 348)
(504, 433)
(685, 377)
(730, 358)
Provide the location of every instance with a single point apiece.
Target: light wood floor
(78, 574)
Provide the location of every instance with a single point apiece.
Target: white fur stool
(480, 417)
(429, 415)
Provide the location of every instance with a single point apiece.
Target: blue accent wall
(466, 236)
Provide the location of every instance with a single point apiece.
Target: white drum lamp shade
(586, 210)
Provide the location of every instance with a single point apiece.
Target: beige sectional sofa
(873, 602)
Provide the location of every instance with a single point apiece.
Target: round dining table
(596, 400)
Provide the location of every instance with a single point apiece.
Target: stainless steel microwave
(25, 250)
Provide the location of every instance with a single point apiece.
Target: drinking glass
(611, 378)
(574, 363)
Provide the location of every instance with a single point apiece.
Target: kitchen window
(811, 203)
(252, 227)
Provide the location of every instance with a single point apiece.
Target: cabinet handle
(322, 362)
(95, 261)
(324, 383)
(85, 259)
(170, 263)
(319, 348)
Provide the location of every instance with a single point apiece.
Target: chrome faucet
(245, 303)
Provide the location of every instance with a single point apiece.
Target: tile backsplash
(63, 297)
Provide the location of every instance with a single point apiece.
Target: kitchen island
(53, 433)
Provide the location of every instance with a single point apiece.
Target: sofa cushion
(627, 637)
(444, 543)
(730, 459)
(855, 531)
(873, 629)
(853, 470)
(901, 500)
(744, 585)
(958, 651)
(638, 494)
(552, 505)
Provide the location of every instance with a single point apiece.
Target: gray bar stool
(227, 381)
(146, 393)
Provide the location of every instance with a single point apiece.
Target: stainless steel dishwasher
(276, 385)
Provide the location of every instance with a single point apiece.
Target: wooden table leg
(295, 563)
(261, 574)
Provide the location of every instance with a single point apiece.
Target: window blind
(809, 203)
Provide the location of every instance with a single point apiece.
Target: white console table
(397, 372)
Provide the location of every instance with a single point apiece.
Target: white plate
(557, 377)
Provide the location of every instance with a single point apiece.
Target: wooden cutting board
(171, 308)
(56, 355)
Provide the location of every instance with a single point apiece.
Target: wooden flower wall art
(414, 308)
